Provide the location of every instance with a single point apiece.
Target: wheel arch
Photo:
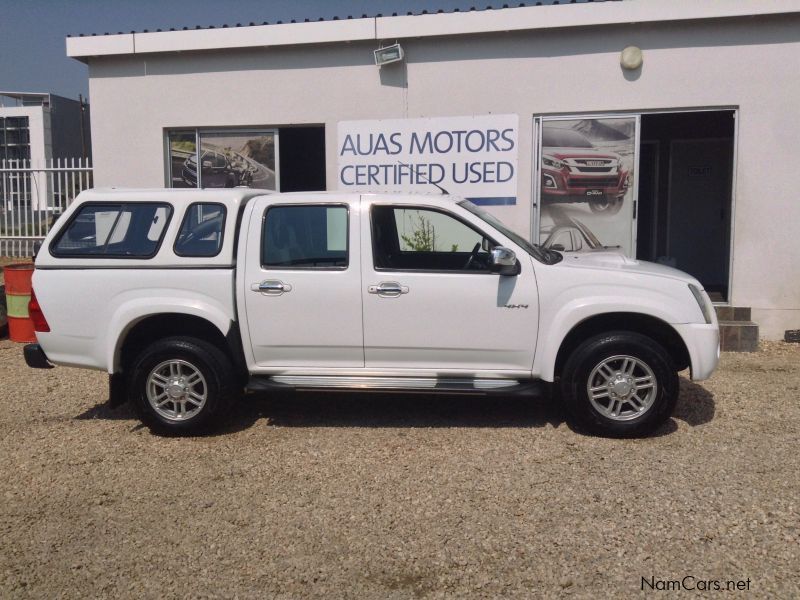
(149, 328)
(643, 324)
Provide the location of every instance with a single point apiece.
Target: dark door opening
(302, 159)
(685, 185)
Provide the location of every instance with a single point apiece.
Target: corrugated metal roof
(498, 6)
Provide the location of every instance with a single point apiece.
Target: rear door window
(114, 230)
(202, 230)
(305, 237)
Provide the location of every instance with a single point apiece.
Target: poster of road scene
(587, 184)
(226, 160)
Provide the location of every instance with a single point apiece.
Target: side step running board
(431, 385)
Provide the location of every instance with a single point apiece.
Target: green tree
(423, 236)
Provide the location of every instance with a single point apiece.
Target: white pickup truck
(187, 297)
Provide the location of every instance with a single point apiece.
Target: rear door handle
(388, 289)
(271, 287)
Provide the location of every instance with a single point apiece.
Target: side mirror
(559, 247)
(503, 261)
(207, 164)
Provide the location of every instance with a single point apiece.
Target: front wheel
(607, 205)
(182, 385)
(619, 384)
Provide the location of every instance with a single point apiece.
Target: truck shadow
(338, 409)
(695, 407)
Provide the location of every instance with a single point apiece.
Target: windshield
(548, 257)
(558, 137)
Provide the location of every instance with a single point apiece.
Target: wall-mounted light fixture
(631, 58)
(388, 55)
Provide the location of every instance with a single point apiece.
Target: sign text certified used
(474, 157)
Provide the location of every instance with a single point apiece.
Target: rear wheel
(182, 385)
(619, 384)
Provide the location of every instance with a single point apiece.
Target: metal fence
(33, 196)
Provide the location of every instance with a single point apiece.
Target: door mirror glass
(503, 261)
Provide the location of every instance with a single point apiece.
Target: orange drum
(18, 294)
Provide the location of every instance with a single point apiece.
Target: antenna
(419, 176)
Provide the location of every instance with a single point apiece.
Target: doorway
(685, 194)
(302, 159)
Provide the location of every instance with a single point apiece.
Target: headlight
(705, 307)
(551, 162)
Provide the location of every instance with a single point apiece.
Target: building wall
(40, 146)
(750, 64)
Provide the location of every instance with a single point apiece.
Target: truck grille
(593, 182)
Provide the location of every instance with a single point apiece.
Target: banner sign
(474, 157)
(587, 175)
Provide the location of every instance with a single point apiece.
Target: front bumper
(35, 357)
(576, 186)
(702, 342)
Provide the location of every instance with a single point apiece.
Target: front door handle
(388, 289)
(271, 287)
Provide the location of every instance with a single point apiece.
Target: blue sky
(32, 32)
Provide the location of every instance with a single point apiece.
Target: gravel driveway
(370, 496)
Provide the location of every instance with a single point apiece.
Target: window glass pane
(420, 239)
(431, 231)
(337, 228)
(114, 230)
(183, 159)
(201, 230)
(229, 159)
(305, 236)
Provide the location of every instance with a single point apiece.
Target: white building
(687, 157)
(36, 128)
(41, 126)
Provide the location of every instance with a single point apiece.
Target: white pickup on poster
(474, 157)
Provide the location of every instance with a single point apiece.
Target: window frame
(266, 267)
(186, 215)
(122, 204)
(432, 209)
(199, 132)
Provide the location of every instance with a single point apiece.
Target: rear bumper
(35, 357)
(702, 342)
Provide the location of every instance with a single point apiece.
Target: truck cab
(189, 296)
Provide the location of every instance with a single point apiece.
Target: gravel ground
(369, 496)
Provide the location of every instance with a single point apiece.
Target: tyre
(606, 205)
(182, 385)
(619, 384)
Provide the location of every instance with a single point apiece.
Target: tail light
(36, 315)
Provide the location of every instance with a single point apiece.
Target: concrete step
(738, 336)
(733, 313)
